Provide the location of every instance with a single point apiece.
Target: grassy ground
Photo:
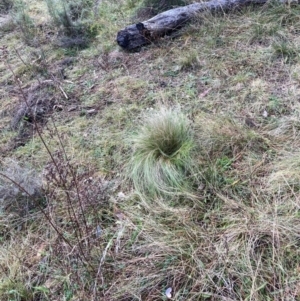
(85, 233)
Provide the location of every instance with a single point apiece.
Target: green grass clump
(75, 21)
(25, 23)
(12, 290)
(162, 158)
(285, 50)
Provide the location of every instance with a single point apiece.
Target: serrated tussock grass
(161, 161)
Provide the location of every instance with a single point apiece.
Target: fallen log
(136, 35)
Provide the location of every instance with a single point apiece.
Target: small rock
(91, 112)
(98, 231)
(168, 292)
(121, 195)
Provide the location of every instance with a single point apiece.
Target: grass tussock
(75, 22)
(25, 23)
(161, 161)
(12, 290)
(20, 189)
(189, 61)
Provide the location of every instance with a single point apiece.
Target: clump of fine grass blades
(161, 162)
(25, 23)
(20, 188)
(75, 21)
(12, 290)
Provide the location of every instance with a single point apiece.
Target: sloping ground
(87, 234)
